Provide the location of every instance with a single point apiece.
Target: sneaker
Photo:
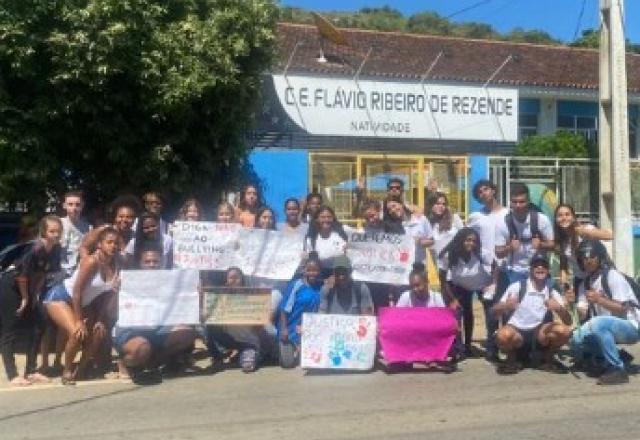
(615, 376)
(626, 357)
(248, 361)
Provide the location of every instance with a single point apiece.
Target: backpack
(12, 254)
(358, 292)
(533, 226)
(607, 289)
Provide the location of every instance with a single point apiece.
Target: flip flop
(38, 378)
(19, 381)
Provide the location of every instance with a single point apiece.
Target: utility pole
(613, 135)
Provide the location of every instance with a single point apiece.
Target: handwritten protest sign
(416, 334)
(268, 254)
(380, 257)
(217, 246)
(338, 341)
(205, 245)
(237, 306)
(150, 298)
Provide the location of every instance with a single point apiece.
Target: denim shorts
(157, 336)
(56, 294)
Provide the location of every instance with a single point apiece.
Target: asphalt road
(272, 403)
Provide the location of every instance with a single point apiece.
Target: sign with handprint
(381, 257)
(343, 342)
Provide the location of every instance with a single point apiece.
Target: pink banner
(416, 334)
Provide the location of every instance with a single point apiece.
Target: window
(528, 124)
(584, 125)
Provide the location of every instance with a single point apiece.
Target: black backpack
(12, 254)
(513, 231)
(607, 289)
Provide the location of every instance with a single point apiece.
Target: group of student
(66, 283)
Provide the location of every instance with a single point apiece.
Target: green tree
(124, 95)
(590, 38)
(530, 36)
(560, 144)
(429, 23)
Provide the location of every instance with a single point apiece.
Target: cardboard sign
(416, 334)
(338, 341)
(381, 257)
(205, 245)
(237, 306)
(151, 298)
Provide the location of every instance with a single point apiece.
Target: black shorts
(530, 343)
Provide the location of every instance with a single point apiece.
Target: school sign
(417, 110)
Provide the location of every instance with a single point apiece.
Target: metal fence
(552, 181)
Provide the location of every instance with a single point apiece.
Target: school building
(438, 112)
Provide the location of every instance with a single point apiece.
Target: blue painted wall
(478, 169)
(283, 174)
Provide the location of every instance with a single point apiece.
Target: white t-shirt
(72, 235)
(327, 248)
(442, 238)
(418, 227)
(408, 300)
(167, 248)
(473, 275)
(620, 291)
(485, 224)
(531, 310)
(519, 261)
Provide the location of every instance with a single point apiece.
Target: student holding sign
(142, 348)
(253, 341)
(303, 297)
(342, 295)
(250, 202)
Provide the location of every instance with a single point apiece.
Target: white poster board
(268, 254)
(217, 246)
(381, 257)
(205, 245)
(150, 298)
(344, 342)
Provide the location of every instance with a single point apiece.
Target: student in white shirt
(419, 294)
(523, 232)
(444, 226)
(469, 269)
(568, 234)
(530, 326)
(327, 237)
(608, 300)
(485, 223)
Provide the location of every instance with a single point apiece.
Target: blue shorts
(57, 293)
(157, 337)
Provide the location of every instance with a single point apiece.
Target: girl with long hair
(83, 305)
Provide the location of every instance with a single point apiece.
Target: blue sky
(557, 17)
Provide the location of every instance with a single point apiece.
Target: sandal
(68, 378)
(19, 381)
(38, 378)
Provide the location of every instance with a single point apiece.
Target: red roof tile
(408, 56)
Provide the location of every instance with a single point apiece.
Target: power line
(579, 24)
(468, 8)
